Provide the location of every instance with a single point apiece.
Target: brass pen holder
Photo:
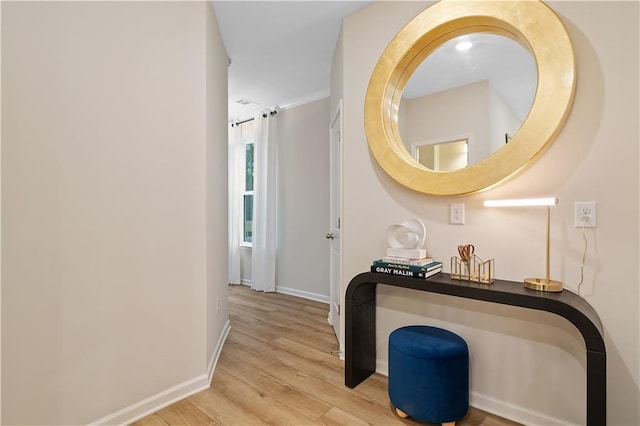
(474, 269)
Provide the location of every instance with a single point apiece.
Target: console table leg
(596, 389)
(360, 335)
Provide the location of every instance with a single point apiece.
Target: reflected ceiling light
(464, 45)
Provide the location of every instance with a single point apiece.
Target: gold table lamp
(540, 284)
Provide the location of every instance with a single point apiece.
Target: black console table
(360, 324)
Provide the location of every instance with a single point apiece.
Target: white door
(335, 212)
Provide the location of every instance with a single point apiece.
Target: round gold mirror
(530, 23)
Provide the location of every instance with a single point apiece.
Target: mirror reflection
(443, 156)
(466, 100)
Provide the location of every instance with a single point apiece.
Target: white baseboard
(340, 347)
(304, 294)
(213, 362)
(513, 412)
(491, 405)
(167, 397)
(382, 368)
(294, 292)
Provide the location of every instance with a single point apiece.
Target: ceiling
(281, 54)
(508, 67)
(280, 51)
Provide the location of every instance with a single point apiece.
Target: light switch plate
(456, 214)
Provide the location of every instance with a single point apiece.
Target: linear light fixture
(541, 284)
(524, 202)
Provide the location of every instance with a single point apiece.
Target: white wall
(526, 365)
(0, 222)
(107, 144)
(451, 114)
(476, 110)
(303, 200)
(217, 186)
(503, 120)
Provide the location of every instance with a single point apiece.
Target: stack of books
(414, 268)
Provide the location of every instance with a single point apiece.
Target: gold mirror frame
(531, 23)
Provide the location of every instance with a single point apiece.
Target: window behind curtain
(247, 135)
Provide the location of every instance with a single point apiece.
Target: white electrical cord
(584, 254)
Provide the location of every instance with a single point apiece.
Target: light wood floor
(278, 367)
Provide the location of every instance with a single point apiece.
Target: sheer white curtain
(236, 188)
(263, 254)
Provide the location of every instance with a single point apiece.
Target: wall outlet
(456, 214)
(585, 214)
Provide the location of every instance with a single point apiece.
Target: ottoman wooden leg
(449, 424)
(401, 413)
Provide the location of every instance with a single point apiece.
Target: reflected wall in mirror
(531, 24)
(481, 84)
(442, 155)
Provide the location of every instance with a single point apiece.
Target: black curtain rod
(237, 123)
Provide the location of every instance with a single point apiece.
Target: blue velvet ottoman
(428, 374)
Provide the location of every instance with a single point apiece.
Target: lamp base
(542, 284)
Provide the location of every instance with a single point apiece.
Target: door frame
(335, 225)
